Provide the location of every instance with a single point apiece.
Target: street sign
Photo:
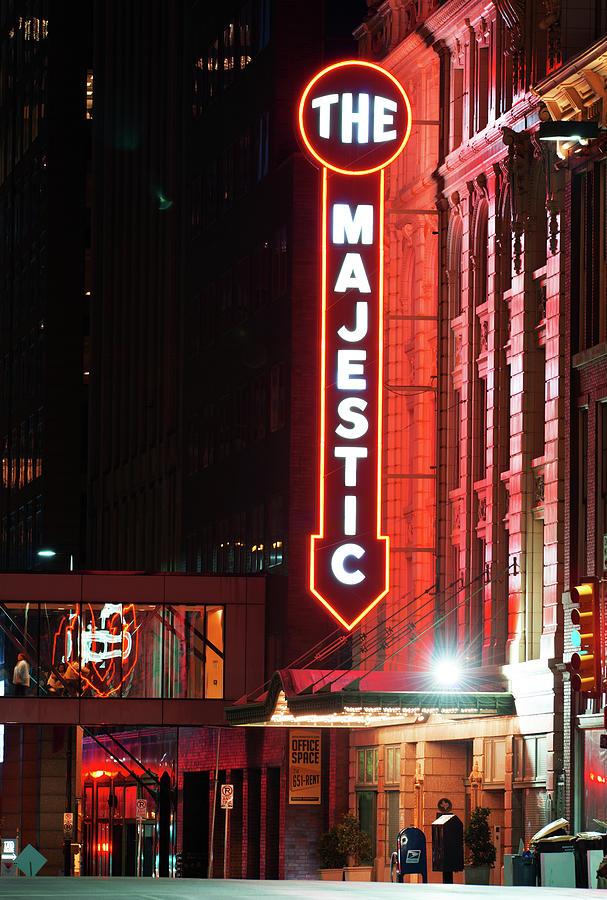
(227, 796)
(30, 861)
(68, 825)
(9, 854)
(141, 809)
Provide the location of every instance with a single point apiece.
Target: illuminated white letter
(355, 229)
(349, 117)
(350, 514)
(361, 324)
(351, 455)
(324, 117)
(346, 368)
(352, 275)
(337, 563)
(346, 411)
(380, 119)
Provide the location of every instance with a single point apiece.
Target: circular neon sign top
(354, 117)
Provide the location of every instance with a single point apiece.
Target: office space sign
(304, 766)
(354, 120)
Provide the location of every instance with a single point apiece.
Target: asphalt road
(192, 889)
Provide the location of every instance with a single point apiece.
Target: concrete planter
(477, 874)
(331, 874)
(358, 873)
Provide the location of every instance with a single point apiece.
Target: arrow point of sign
(348, 611)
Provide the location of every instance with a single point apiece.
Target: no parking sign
(227, 796)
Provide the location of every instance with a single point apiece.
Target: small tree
(477, 838)
(331, 857)
(352, 840)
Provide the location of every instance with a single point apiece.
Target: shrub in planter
(331, 857)
(480, 849)
(353, 841)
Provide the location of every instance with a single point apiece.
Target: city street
(192, 889)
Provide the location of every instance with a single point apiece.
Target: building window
(530, 758)
(263, 145)
(366, 807)
(263, 24)
(455, 266)
(366, 770)
(530, 812)
(392, 822)
(164, 650)
(89, 94)
(457, 107)
(495, 762)
(277, 397)
(392, 764)
(482, 87)
(582, 490)
(481, 456)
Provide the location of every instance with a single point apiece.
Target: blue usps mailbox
(410, 855)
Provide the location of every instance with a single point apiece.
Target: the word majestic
(353, 428)
(354, 119)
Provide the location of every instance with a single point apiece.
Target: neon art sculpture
(108, 650)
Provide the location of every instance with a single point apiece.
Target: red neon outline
(73, 625)
(369, 65)
(323, 341)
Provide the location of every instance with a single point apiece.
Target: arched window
(480, 252)
(454, 266)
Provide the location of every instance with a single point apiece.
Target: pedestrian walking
(21, 676)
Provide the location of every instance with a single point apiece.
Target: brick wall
(268, 838)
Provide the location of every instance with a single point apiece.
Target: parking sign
(227, 796)
(141, 808)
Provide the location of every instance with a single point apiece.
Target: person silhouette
(21, 676)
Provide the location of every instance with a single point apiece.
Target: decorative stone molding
(519, 171)
(540, 302)
(482, 510)
(551, 23)
(456, 204)
(553, 210)
(538, 488)
(389, 23)
(513, 14)
(484, 335)
(476, 783)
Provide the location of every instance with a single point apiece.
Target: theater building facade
(161, 688)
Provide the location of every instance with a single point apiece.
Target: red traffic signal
(585, 665)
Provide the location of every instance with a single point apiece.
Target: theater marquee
(355, 119)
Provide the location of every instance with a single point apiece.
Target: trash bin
(555, 849)
(557, 861)
(523, 871)
(590, 847)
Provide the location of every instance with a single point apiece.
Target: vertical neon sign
(354, 119)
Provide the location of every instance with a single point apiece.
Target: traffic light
(585, 665)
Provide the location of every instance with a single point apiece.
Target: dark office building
(44, 247)
(158, 295)
(250, 327)
(134, 431)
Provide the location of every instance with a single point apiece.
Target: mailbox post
(410, 856)
(447, 846)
